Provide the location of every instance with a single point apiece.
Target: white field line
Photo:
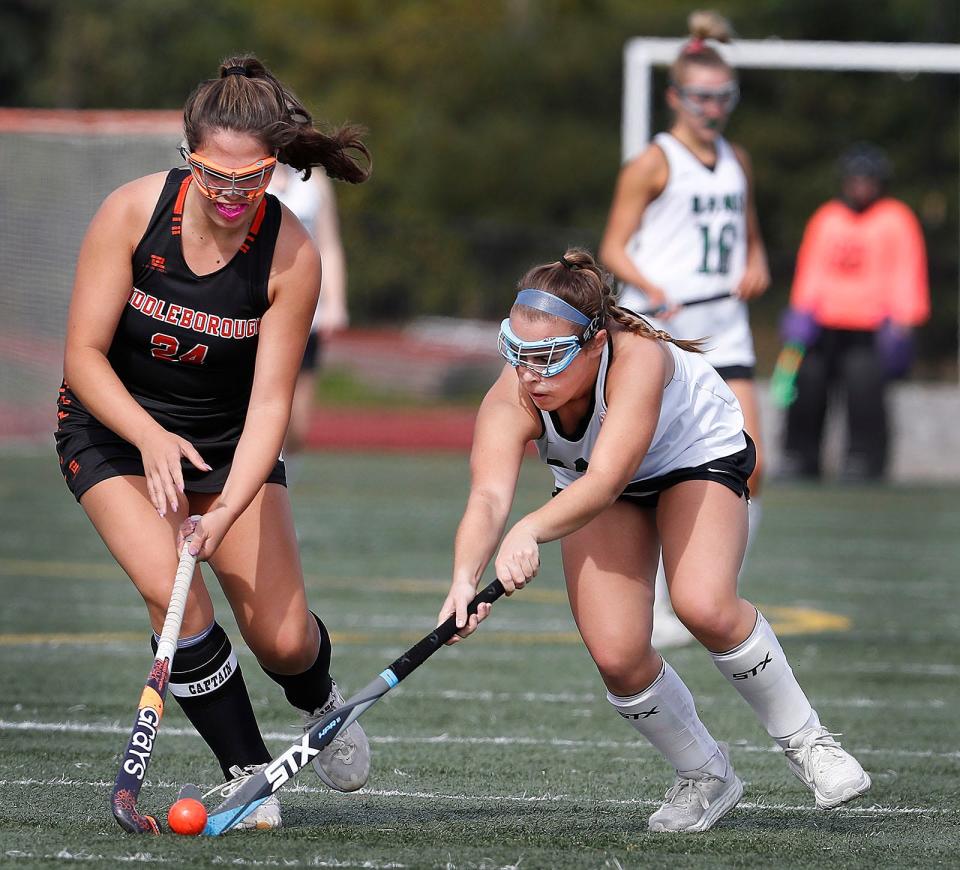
(587, 697)
(67, 782)
(446, 739)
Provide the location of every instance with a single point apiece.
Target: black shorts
(736, 373)
(732, 471)
(311, 353)
(84, 464)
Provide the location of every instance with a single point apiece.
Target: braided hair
(579, 280)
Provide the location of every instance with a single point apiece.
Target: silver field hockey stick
(287, 765)
(143, 737)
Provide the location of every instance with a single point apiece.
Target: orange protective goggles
(215, 181)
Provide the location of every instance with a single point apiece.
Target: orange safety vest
(856, 269)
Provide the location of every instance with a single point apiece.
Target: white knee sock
(759, 671)
(665, 714)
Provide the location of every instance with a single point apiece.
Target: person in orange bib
(859, 289)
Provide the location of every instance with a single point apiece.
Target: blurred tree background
(495, 127)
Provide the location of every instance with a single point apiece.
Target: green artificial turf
(500, 752)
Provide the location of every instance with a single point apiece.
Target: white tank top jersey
(692, 243)
(700, 420)
(303, 198)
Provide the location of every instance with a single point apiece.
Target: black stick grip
(659, 309)
(422, 650)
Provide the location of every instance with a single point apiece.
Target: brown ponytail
(248, 98)
(579, 280)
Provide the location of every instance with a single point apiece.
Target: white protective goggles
(545, 357)
(695, 100)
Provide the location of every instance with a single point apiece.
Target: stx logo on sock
(762, 666)
(641, 715)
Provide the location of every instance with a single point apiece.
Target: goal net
(58, 167)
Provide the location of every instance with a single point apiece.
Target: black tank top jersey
(186, 344)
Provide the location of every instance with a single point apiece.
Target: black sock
(309, 690)
(207, 683)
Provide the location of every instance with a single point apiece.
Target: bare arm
(641, 181)
(756, 275)
(104, 280)
(294, 286)
(635, 386)
(505, 424)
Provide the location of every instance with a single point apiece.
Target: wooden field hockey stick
(659, 309)
(143, 737)
(287, 765)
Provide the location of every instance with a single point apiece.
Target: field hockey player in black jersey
(192, 303)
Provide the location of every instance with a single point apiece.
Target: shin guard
(759, 671)
(665, 714)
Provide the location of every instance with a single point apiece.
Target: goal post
(642, 54)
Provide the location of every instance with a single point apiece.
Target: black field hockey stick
(143, 738)
(659, 309)
(287, 765)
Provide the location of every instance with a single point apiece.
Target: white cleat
(266, 816)
(345, 764)
(828, 770)
(697, 804)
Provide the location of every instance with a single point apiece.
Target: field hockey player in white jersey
(647, 449)
(683, 228)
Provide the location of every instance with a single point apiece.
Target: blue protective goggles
(548, 356)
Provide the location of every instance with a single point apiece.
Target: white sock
(759, 671)
(665, 714)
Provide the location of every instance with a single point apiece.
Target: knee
(712, 620)
(289, 650)
(626, 674)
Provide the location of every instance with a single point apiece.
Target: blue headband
(550, 304)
